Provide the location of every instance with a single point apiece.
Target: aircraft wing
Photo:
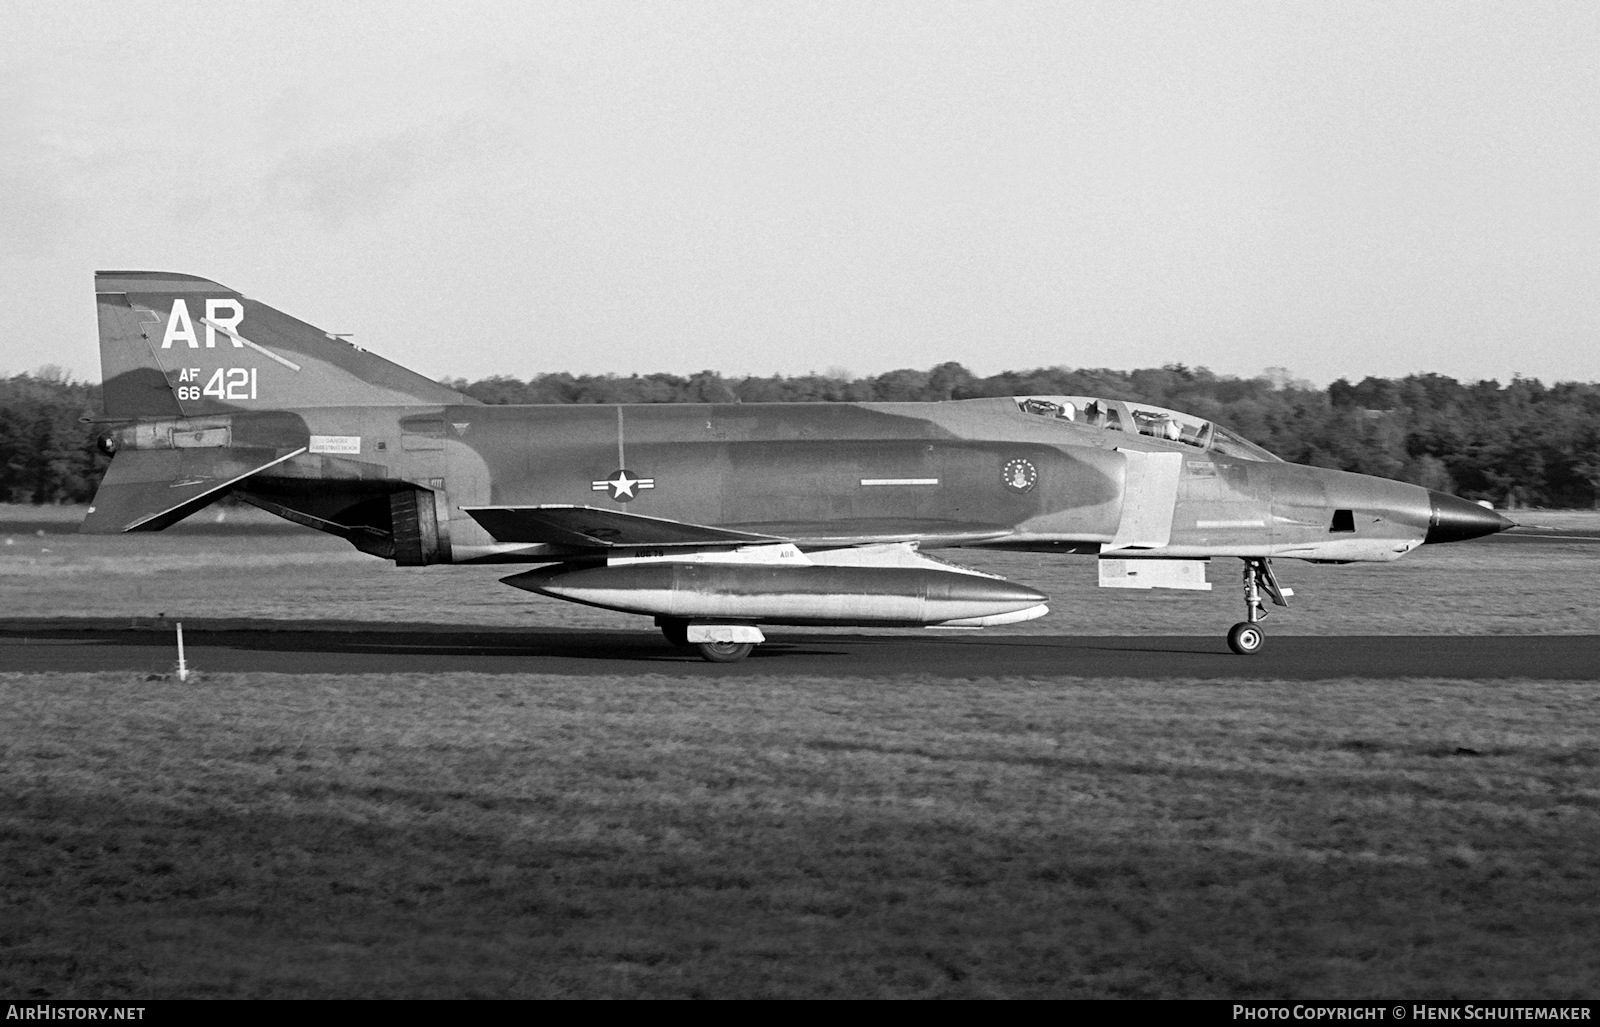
(594, 527)
(590, 526)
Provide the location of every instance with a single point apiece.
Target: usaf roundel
(623, 485)
(1019, 475)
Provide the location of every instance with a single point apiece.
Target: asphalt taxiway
(391, 649)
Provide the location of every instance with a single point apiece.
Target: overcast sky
(1343, 188)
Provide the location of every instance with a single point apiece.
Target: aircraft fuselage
(966, 472)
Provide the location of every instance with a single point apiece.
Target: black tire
(676, 633)
(1245, 638)
(724, 652)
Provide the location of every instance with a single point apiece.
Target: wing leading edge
(606, 529)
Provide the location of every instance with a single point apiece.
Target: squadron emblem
(1019, 475)
(624, 485)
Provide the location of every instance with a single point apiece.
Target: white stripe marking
(899, 481)
(230, 333)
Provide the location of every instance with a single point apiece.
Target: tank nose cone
(1453, 519)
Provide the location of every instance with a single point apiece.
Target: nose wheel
(1246, 637)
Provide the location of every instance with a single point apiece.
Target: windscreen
(1229, 444)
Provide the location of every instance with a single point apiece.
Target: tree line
(1521, 443)
(47, 451)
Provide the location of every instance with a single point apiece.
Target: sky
(1342, 189)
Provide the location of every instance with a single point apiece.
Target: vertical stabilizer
(176, 345)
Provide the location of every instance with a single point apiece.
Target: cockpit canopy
(1156, 422)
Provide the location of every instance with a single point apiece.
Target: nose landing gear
(1246, 637)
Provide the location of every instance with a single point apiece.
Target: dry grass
(257, 835)
(269, 569)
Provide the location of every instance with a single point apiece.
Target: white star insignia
(624, 487)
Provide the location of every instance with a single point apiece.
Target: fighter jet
(715, 519)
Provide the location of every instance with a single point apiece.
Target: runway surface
(389, 649)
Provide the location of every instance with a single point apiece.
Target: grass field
(521, 836)
(344, 836)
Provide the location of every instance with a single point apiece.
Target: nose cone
(1454, 519)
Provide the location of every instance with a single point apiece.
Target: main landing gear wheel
(724, 652)
(1245, 638)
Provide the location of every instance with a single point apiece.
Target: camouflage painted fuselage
(209, 393)
(820, 473)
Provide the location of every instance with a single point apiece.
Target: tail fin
(179, 346)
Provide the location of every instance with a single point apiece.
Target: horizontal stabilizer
(147, 490)
(588, 526)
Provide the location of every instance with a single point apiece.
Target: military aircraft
(715, 519)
